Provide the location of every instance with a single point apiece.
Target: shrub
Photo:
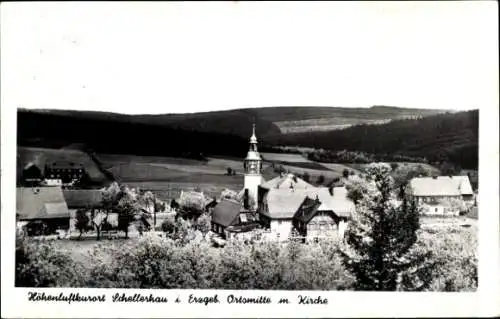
(40, 264)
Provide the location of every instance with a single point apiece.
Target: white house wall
(321, 227)
(281, 229)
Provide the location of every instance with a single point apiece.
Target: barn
(43, 209)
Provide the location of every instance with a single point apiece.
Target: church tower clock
(253, 167)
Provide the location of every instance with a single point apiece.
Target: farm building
(43, 208)
(57, 167)
(32, 174)
(442, 195)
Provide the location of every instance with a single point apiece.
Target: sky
(173, 57)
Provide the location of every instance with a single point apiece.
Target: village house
(324, 217)
(42, 210)
(229, 218)
(440, 195)
(282, 204)
(286, 208)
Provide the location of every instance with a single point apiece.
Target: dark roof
(226, 212)
(40, 203)
(307, 209)
(65, 165)
(83, 198)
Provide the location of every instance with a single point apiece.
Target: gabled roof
(286, 181)
(284, 203)
(441, 186)
(337, 202)
(41, 203)
(83, 198)
(226, 212)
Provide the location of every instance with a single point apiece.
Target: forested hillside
(115, 136)
(445, 137)
(270, 121)
(451, 137)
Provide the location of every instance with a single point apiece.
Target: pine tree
(380, 246)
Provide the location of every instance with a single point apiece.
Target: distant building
(65, 171)
(434, 193)
(57, 167)
(44, 208)
(32, 174)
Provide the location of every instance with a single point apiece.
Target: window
(435, 209)
(279, 222)
(316, 239)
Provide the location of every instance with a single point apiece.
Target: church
(284, 207)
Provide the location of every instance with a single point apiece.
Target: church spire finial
(253, 138)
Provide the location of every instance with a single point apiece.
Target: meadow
(167, 176)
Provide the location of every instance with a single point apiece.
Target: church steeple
(253, 153)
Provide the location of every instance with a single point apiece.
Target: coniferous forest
(447, 137)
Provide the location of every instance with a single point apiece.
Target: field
(167, 176)
(283, 157)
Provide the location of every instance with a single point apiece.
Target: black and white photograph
(249, 148)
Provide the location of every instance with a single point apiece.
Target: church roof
(286, 181)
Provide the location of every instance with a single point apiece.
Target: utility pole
(154, 212)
